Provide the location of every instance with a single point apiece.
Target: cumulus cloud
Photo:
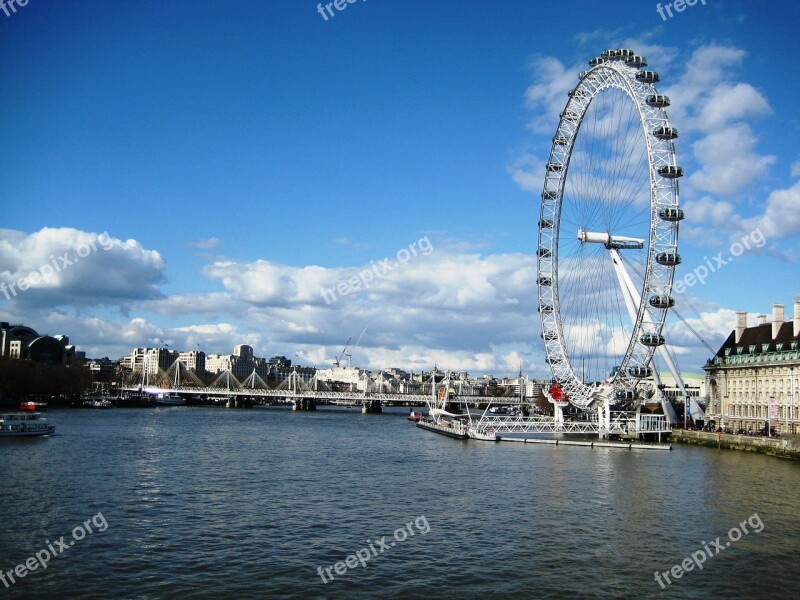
(729, 161)
(454, 309)
(781, 216)
(69, 267)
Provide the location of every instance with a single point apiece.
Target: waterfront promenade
(787, 447)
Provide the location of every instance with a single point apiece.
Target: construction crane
(338, 361)
(350, 354)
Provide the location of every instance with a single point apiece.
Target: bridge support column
(239, 402)
(304, 404)
(371, 407)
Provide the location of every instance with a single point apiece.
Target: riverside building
(753, 378)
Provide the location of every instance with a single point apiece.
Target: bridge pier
(238, 402)
(304, 404)
(371, 407)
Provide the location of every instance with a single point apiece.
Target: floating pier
(589, 443)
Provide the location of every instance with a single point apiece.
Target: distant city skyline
(245, 173)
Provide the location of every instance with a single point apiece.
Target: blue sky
(243, 154)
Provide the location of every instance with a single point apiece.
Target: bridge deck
(356, 397)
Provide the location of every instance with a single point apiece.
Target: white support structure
(628, 423)
(632, 302)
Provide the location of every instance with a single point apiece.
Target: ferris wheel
(608, 231)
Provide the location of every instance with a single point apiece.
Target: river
(222, 503)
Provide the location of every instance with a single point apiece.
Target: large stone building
(753, 378)
(23, 343)
(241, 363)
(194, 360)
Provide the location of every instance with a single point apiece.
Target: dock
(589, 443)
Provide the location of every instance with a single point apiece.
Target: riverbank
(786, 447)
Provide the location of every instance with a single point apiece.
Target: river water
(209, 502)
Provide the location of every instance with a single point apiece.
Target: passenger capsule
(647, 77)
(621, 54)
(569, 116)
(596, 61)
(665, 133)
(671, 214)
(624, 394)
(549, 195)
(576, 94)
(661, 301)
(640, 372)
(544, 252)
(550, 335)
(670, 172)
(636, 61)
(658, 100)
(668, 259)
(545, 281)
(560, 140)
(555, 167)
(546, 308)
(545, 224)
(652, 339)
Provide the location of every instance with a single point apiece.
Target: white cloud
(729, 161)
(206, 244)
(781, 216)
(527, 172)
(547, 95)
(729, 102)
(69, 267)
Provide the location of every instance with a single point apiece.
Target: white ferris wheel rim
(619, 72)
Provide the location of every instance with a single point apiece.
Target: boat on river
(169, 400)
(135, 401)
(24, 425)
(451, 426)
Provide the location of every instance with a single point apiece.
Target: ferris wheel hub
(617, 242)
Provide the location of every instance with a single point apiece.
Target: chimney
(761, 319)
(741, 324)
(796, 318)
(777, 319)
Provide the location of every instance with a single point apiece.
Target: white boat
(169, 400)
(454, 428)
(24, 425)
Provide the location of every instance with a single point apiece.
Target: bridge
(178, 379)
